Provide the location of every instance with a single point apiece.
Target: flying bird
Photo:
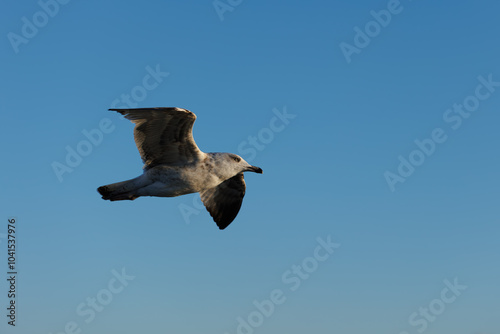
(175, 166)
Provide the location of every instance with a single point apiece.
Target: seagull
(175, 166)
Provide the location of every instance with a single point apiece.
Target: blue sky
(353, 119)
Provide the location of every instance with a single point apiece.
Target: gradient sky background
(323, 174)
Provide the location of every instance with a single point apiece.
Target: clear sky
(375, 122)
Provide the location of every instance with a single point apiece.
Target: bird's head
(237, 164)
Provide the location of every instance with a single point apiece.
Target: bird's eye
(237, 159)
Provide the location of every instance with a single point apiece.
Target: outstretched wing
(164, 135)
(224, 201)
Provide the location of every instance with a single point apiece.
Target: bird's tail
(125, 190)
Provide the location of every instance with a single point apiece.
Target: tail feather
(125, 190)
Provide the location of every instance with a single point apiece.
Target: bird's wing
(224, 201)
(164, 135)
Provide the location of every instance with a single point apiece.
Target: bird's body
(174, 165)
(172, 181)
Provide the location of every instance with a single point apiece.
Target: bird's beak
(255, 169)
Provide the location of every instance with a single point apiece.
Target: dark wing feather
(164, 135)
(224, 201)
